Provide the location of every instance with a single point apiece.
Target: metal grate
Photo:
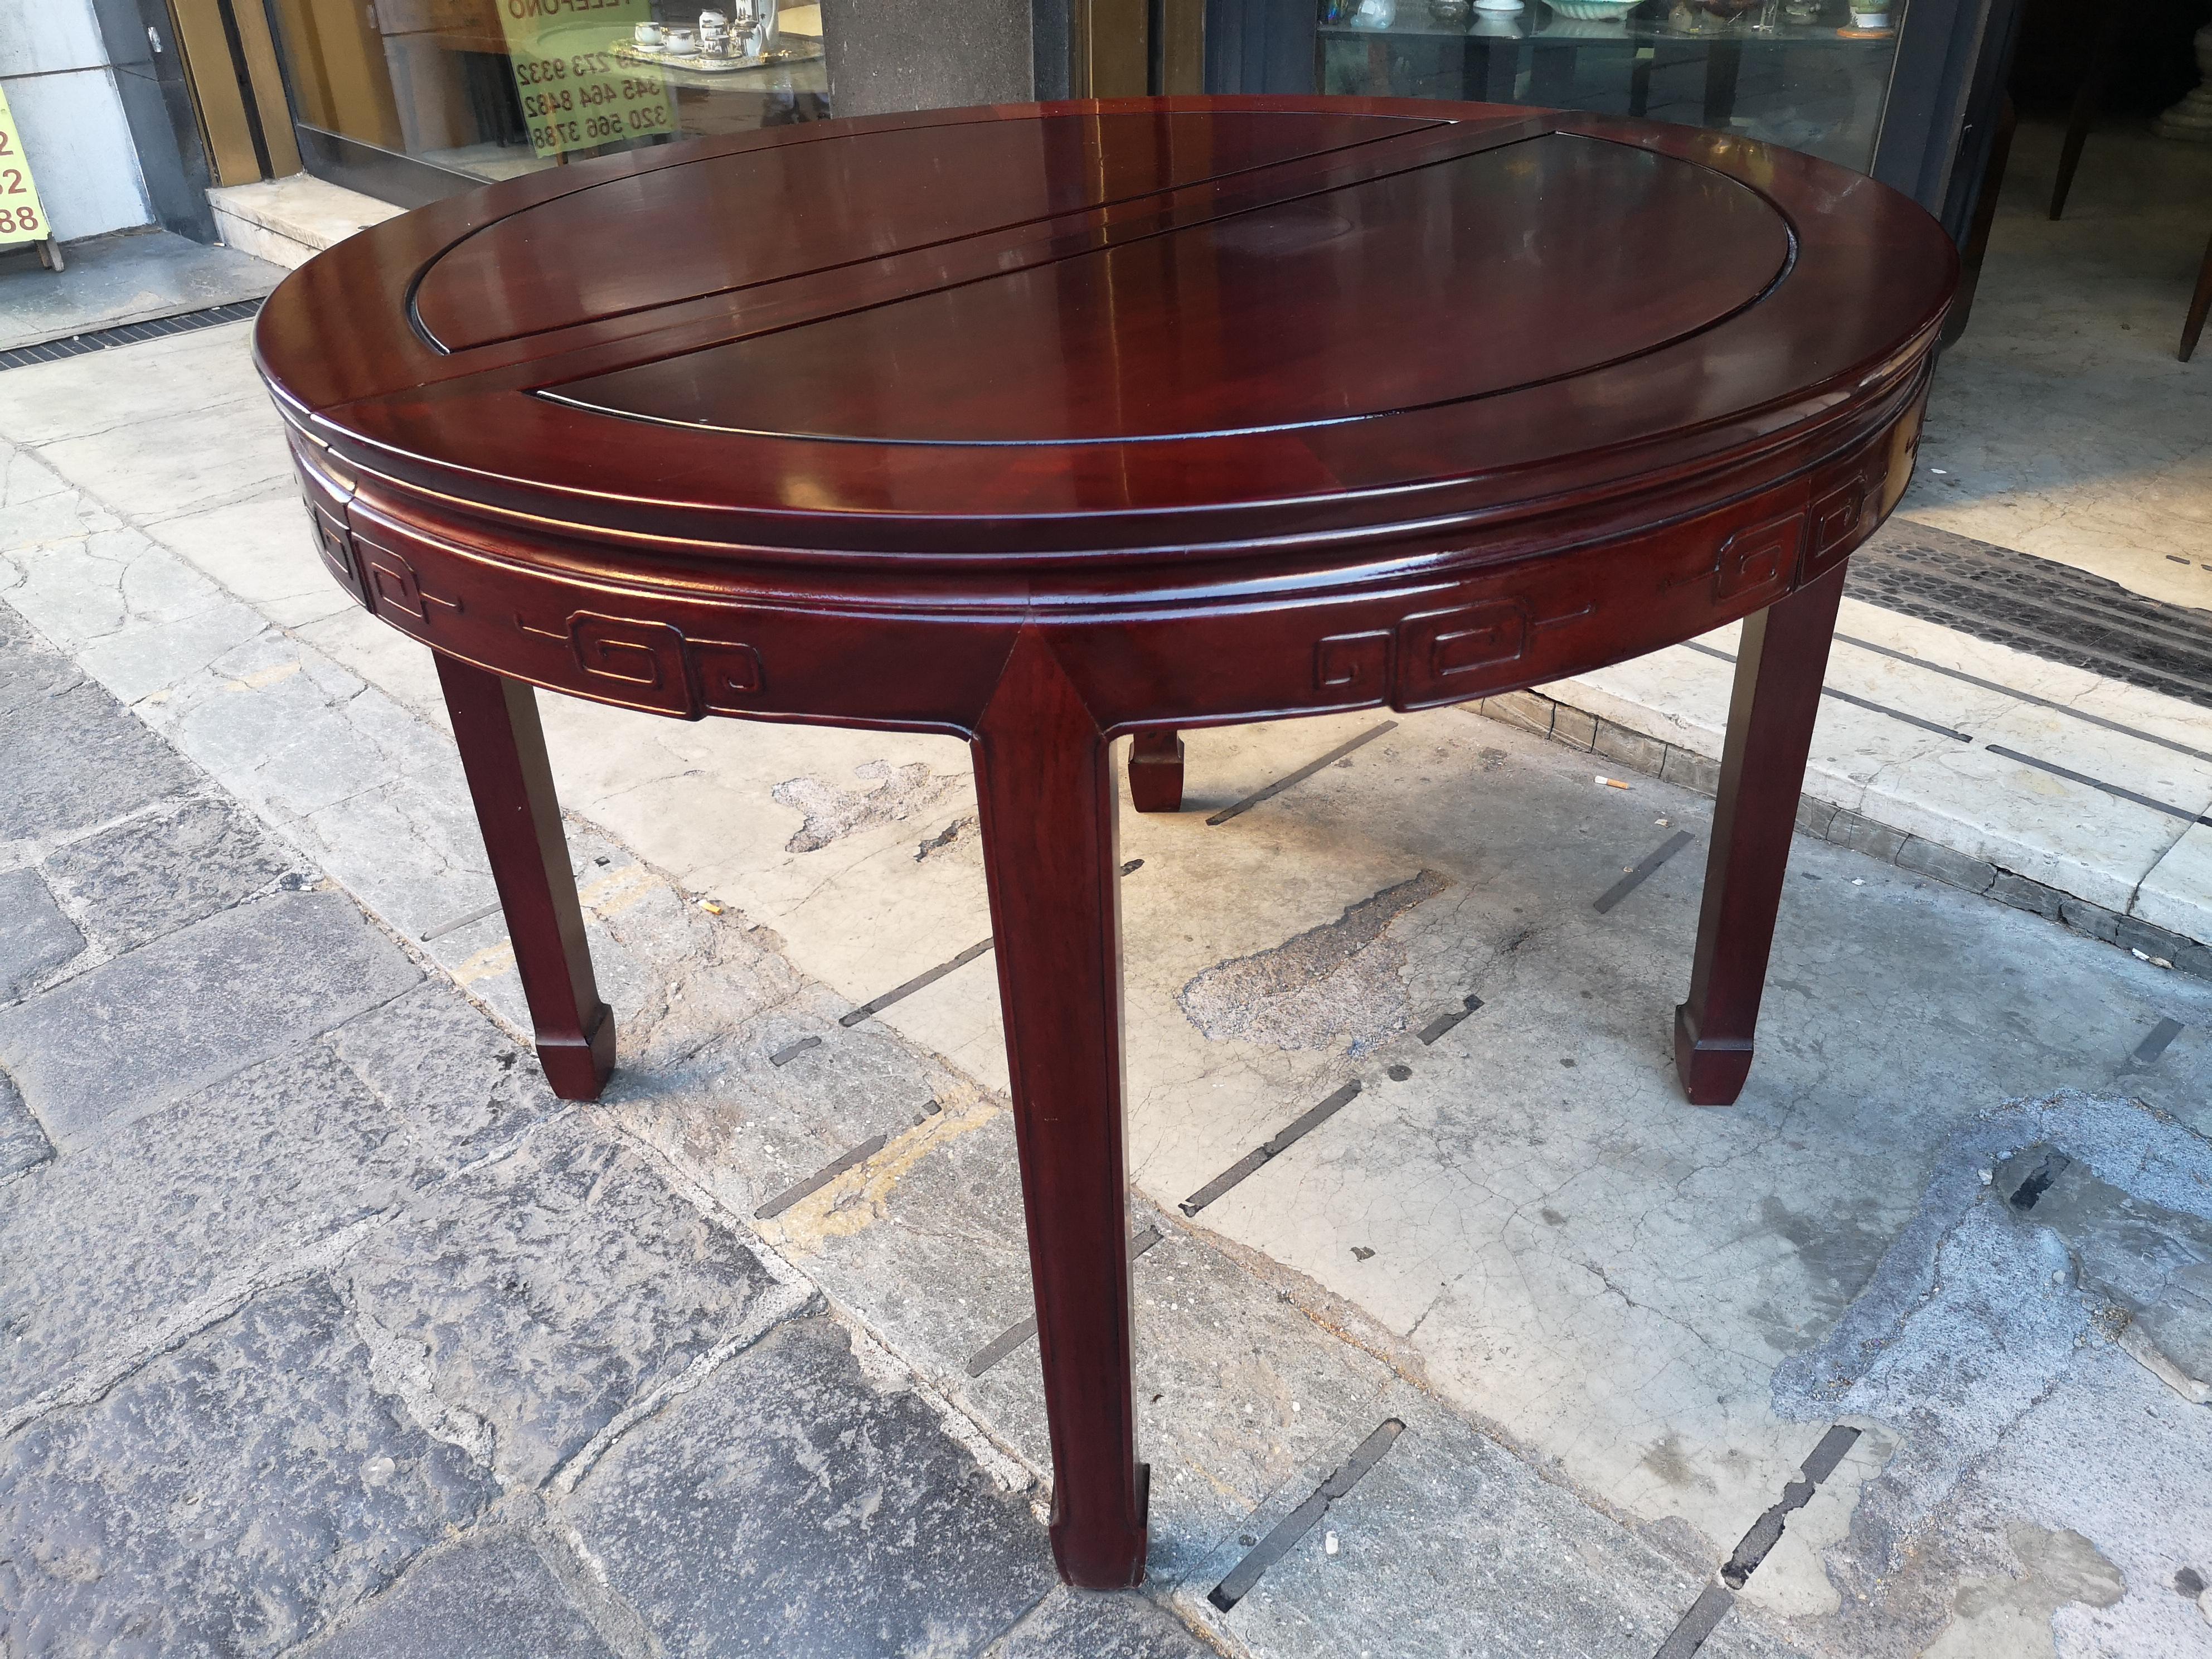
(100, 339)
(2043, 608)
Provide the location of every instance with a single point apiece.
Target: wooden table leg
(1156, 771)
(1778, 670)
(503, 753)
(2199, 304)
(1045, 785)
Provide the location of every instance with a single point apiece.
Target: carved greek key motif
(1759, 559)
(1353, 665)
(394, 591)
(653, 664)
(1440, 653)
(1837, 516)
(643, 656)
(335, 547)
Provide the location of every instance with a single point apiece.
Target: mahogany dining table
(1043, 425)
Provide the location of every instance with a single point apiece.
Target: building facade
(133, 110)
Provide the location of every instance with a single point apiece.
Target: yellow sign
(21, 218)
(576, 94)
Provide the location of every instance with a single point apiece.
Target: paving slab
(1093, 1625)
(1533, 1570)
(75, 761)
(163, 1021)
(35, 937)
(227, 1497)
(22, 1142)
(30, 670)
(123, 278)
(489, 1597)
(2002, 1345)
(195, 1208)
(530, 1301)
(785, 1505)
(250, 548)
(166, 869)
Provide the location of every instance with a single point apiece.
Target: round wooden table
(1043, 425)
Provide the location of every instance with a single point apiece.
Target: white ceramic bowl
(1594, 11)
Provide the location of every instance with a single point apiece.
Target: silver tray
(790, 49)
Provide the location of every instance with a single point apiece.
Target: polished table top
(1110, 328)
(1042, 425)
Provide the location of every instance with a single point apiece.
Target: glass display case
(1810, 74)
(489, 89)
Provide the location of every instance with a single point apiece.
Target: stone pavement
(327, 1329)
(119, 279)
(1511, 1352)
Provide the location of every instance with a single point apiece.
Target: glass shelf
(1810, 81)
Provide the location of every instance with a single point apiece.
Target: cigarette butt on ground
(1611, 783)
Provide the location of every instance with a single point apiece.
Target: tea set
(748, 31)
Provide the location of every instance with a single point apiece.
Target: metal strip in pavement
(1299, 1522)
(821, 1178)
(1022, 1330)
(923, 980)
(2154, 1045)
(1298, 1128)
(2028, 697)
(1704, 1617)
(1765, 1532)
(1637, 877)
(100, 339)
(460, 922)
(918, 982)
(2053, 767)
(1301, 774)
(1867, 703)
(1444, 1022)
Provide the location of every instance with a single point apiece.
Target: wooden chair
(2102, 52)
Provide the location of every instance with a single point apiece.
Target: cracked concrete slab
(894, 795)
(1116, 1625)
(1540, 1573)
(1343, 978)
(1978, 1338)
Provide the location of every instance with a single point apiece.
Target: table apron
(1409, 644)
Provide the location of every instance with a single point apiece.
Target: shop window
(491, 89)
(1812, 75)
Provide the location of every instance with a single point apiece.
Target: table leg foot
(1712, 1072)
(1779, 667)
(1045, 787)
(1156, 772)
(503, 754)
